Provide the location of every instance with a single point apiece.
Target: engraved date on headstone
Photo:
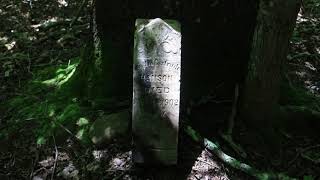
(156, 91)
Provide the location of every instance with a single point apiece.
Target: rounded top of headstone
(173, 25)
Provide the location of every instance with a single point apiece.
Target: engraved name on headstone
(156, 91)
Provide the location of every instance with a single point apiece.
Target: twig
(311, 147)
(120, 176)
(84, 2)
(32, 169)
(120, 170)
(290, 163)
(196, 176)
(310, 159)
(205, 162)
(51, 35)
(227, 136)
(56, 157)
(303, 155)
(40, 169)
(55, 24)
(295, 64)
(64, 128)
(233, 111)
(35, 160)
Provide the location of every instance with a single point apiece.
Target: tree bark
(275, 23)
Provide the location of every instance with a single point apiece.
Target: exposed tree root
(237, 148)
(227, 135)
(234, 163)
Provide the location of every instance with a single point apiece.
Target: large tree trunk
(275, 23)
(208, 37)
(110, 73)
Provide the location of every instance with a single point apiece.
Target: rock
(69, 172)
(37, 178)
(93, 167)
(109, 127)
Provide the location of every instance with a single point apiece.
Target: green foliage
(44, 103)
(297, 96)
(312, 6)
(308, 178)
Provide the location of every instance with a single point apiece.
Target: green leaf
(41, 140)
(82, 122)
(308, 178)
(7, 73)
(80, 134)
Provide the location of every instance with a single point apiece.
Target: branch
(56, 157)
(84, 2)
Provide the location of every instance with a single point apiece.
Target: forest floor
(40, 40)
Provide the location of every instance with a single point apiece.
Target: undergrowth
(45, 104)
(53, 110)
(298, 96)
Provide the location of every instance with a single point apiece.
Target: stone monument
(156, 91)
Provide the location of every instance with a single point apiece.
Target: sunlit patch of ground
(34, 35)
(304, 54)
(117, 164)
(207, 168)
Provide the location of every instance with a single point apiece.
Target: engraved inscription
(167, 102)
(156, 89)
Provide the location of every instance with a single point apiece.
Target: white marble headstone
(156, 91)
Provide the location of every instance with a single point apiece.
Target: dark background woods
(39, 102)
(208, 29)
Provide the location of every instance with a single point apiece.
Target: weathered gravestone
(156, 91)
